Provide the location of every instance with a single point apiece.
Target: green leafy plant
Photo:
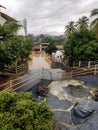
(19, 112)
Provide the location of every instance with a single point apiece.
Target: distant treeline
(50, 39)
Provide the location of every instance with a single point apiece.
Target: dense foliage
(19, 112)
(9, 29)
(14, 51)
(81, 42)
(81, 45)
(48, 39)
(51, 48)
(94, 23)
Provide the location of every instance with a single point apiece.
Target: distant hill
(50, 38)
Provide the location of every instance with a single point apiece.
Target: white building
(58, 56)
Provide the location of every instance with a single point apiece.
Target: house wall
(44, 45)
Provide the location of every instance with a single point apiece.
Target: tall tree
(69, 29)
(82, 23)
(51, 48)
(94, 23)
(81, 45)
(9, 29)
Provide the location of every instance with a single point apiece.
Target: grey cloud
(50, 16)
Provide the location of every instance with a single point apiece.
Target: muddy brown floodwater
(38, 61)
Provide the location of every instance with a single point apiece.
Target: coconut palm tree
(9, 29)
(82, 23)
(94, 23)
(70, 28)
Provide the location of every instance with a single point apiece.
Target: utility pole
(25, 26)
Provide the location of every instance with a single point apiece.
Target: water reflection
(39, 60)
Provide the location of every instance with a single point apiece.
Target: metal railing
(46, 74)
(26, 82)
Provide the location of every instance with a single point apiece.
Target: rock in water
(85, 116)
(82, 111)
(77, 91)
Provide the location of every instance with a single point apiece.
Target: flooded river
(39, 60)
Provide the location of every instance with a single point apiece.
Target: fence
(84, 63)
(26, 82)
(17, 69)
(91, 70)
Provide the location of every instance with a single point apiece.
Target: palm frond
(94, 22)
(94, 12)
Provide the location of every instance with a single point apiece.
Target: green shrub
(19, 112)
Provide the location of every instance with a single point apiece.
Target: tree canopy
(51, 48)
(9, 29)
(82, 23)
(14, 51)
(70, 28)
(81, 44)
(94, 23)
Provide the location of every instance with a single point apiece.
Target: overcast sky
(47, 16)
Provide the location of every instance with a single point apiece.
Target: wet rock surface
(91, 80)
(61, 115)
(71, 106)
(82, 111)
(85, 116)
(77, 91)
(91, 124)
(55, 103)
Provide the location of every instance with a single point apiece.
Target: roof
(7, 17)
(2, 6)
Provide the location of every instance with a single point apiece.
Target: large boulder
(90, 124)
(82, 111)
(84, 116)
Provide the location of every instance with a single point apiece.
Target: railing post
(71, 74)
(79, 64)
(57, 75)
(22, 67)
(95, 70)
(89, 63)
(42, 73)
(16, 69)
(51, 75)
(73, 63)
(11, 84)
